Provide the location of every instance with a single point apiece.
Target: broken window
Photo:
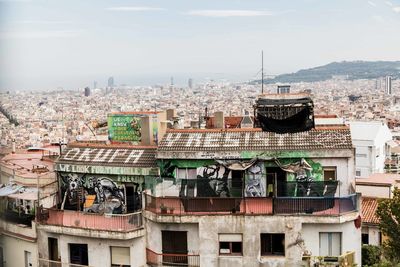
(365, 239)
(120, 257)
(272, 244)
(330, 174)
(230, 244)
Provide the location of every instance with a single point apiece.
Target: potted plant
(163, 209)
(171, 210)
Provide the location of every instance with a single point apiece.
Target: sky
(51, 44)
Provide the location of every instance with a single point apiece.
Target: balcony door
(276, 180)
(53, 251)
(78, 254)
(174, 244)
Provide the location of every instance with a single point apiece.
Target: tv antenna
(262, 72)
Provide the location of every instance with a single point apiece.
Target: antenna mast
(262, 72)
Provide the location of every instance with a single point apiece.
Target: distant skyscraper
(190, 83)
(87, 91)
(111, 82)
(94, 85)
(172, 81)
(388, 85)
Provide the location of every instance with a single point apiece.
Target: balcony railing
(315, 205)
(256, 205)
(77, 219)
(51, 263)
(347, 259)
(17, 218)
(164, 259)
(207, 205)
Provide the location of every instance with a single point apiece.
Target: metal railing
(51, 263)
(207, 205)
(169, 259)
(315, 205)
(17, 218)
(107, 222)
(251, 205)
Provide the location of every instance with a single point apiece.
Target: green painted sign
(124, 127)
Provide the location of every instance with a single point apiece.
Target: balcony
(77, 223)
(17, 218)
(163, 259)
(347, 259)
(251, 206)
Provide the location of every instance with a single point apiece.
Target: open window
(272, 244)
(231, 244)
(330, 174)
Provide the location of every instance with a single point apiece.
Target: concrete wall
(373, 235)
(154, 241)
(203, 238)
(99, 250)
(351, 237)
(14, 251)
(374, 191)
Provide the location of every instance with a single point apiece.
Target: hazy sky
(47, 44)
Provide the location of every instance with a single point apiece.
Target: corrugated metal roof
(110, 156)
(253, 140)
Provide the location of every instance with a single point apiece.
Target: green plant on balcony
(163, 208)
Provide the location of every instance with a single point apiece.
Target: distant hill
(352, 70)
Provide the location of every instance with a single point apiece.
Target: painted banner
(124, 127)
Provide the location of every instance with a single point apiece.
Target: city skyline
(69, 44)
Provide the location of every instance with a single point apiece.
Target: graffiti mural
(255, 181)
(91, 193)
(212, 181)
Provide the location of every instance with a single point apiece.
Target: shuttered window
(120, 257)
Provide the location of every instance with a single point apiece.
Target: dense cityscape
(199, 133)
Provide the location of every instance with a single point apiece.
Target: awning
(25, 196)
(296, 167)
(9, 189)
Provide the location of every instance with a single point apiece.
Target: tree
(389, 214)
(370, 255)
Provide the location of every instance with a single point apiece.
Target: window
(361, 155)
(330, 173)
(330, 244)
(120, 257)
(78, 253)
(28, 259)
(230, 244)
(186, 173)
(365, 239)
(272, 244)
(358, 173)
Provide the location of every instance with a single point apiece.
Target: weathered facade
(98, 219)
(245, 197)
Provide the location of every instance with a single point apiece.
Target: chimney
(219, 120)
(146, 131)
(162, 124)
(171, 113)
(13, 146)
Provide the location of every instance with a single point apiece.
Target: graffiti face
(74, 181)
(255, 184)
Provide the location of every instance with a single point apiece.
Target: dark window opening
(78, 254)
(272, 244)
(174, 243)
(365, 239)
(330, 173)
(237, 183)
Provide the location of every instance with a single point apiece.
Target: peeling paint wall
(99, 250)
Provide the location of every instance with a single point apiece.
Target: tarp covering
(10, 189)
(237, 165)
(285, 115)
(299, 168)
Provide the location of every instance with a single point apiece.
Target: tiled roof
(369, 206)
(110, 156)
(255, 140)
